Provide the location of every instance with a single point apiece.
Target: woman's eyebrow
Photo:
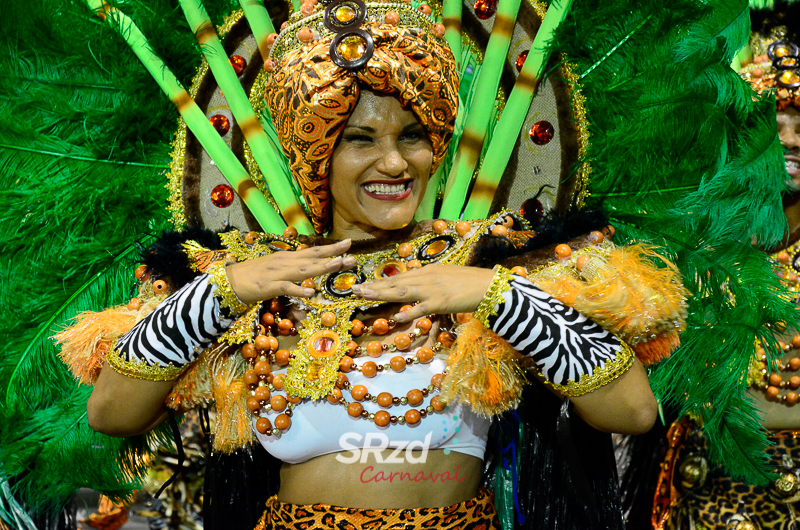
(361, 128)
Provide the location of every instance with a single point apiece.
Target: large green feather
(686, 156)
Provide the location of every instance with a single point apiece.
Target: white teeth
(385, 189)
(792, 165)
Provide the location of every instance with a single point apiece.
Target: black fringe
(237, 487)
(554, 470)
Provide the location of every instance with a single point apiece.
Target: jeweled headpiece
(777, 66)
(321, 61)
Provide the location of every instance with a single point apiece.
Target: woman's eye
(357, 138)
(412, 136)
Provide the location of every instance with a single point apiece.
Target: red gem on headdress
(220, 123)
(222, 196)
(238, 62)
(532, 210)
(542, 132)
(485, 8)
(520, 62)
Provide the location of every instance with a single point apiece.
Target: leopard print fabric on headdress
(311, 99)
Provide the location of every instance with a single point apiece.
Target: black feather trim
(166, 257)
(554, 228)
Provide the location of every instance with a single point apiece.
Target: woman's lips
(388, 190)
(793, 165)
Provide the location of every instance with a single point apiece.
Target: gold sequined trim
(224, 291)
(494, 296)
(242, 330)
(139, 369)
(600, 377)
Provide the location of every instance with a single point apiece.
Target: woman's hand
(275, 275)
(439, 289)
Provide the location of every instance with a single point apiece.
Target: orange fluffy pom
(482, 371)
(624, 292)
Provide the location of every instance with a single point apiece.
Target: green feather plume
(686, 156)
(83, 153)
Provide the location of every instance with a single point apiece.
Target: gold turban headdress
(319, 64)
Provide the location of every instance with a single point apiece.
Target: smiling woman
(366, 343)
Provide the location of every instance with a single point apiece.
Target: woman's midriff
(380, 481)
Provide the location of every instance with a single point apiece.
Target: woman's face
(380, 168)
(789, 133)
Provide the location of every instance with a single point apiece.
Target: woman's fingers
(324, 251)
(292, 289)
(418, 311)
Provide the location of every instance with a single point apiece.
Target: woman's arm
(565, 345)
(128, 397)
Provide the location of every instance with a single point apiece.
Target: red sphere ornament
(484, 9)
(222, 196)
(239, 63)
(542, 132)
(520, 62)
(221, 123)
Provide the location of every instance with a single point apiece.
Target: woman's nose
(392, 163)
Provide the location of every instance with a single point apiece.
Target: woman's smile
(388, 190)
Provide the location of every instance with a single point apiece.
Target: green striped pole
(195, 119)
(428, 204)
(268, 159)
(451, 18)
(480, 112)
(507, 129)
(258, 18)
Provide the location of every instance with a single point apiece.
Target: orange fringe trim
(624, 292)
(233, 429)
(482, 371)
(85, 343)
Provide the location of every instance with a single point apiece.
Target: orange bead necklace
(772, 384)
(264, 351)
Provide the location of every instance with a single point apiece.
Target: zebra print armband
(574, 354)
(162, 345)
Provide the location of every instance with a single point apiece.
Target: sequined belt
(474, 513)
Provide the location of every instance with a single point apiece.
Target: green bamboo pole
(258, 18)
(451, 18)
(480, 112)
(268, 159)
(428, 204)
(507, 129)
(195, 119)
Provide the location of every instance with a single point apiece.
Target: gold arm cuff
(138, 369)
(494, 296)
(224, 291)
(601, 377)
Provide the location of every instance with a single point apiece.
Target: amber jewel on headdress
(352, 48)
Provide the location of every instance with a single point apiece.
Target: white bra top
(320, 427)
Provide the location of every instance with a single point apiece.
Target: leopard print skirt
(692, 496)
(474, 514)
